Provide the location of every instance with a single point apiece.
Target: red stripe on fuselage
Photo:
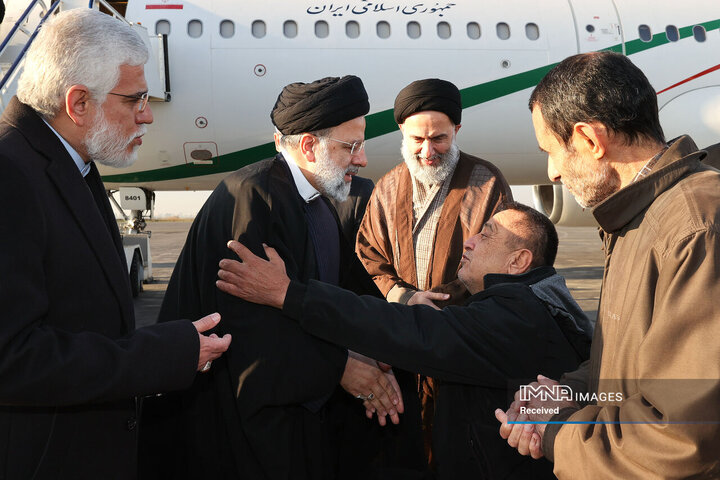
(163, 7)
(704, 72)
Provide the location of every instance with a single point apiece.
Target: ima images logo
(544, 393)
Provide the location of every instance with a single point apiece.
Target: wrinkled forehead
(510, 221)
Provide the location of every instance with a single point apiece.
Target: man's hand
(212, 346)
(426, 297)
(527, 438)
(364, 379)
(255, 280)
(524, 437)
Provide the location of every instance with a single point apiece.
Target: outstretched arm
(475, 344)
(266, 282)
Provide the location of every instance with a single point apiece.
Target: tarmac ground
(579, 260)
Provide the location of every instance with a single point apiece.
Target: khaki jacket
(713, 156)
(657, 339)
(385, 240)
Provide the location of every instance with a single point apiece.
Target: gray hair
(293, 141)
(78, 47)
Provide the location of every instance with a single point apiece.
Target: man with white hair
(423, 210)
(71, 362)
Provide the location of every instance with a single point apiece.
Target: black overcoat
(70, 365)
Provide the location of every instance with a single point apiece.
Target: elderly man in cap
(271, 409)
(421, 212)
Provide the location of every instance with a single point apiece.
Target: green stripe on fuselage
(381, 123)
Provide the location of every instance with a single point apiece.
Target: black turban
(430, 94)
(324, 103)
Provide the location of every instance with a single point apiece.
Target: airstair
(23, 21)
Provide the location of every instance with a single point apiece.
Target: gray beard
(431, 175)
(329, 176)
(590, 190)
(105, 145)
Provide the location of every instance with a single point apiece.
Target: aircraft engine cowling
(560, 206)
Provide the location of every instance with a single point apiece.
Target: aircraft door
(597, 25)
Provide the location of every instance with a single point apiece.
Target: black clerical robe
(254, 415)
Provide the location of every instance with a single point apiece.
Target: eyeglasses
(142, 99)
(355, 147)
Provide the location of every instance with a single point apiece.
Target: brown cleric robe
(385, 239)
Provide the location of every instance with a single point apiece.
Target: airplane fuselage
(228, 60)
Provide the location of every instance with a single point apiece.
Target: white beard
(105, 145)
(431, 174)
(329, 176)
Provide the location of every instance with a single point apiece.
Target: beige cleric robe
(385, 240)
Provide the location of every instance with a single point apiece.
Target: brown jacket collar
(616, 211)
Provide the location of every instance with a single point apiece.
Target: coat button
(131, 423)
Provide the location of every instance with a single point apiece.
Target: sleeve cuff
(294, 299)
(552, 429)
(400, 294)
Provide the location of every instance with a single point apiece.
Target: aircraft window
(322, 29)
(195, 28)
(645, 33)
(699, 33)
(672, 33)
(162, 27)
(352, 29)
(532, 31)
(473, 30)
(227, 29)
(290, 29)
(443, 30)
(383, 29)
(258, 29)
(590, 28)
(413, 30)
(503, 30)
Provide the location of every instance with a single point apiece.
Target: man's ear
(276, 138)
(457, 128)
(520, 261)
(307, 142)
(77, 104)
(591, 137)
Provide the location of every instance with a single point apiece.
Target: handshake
(523, 425)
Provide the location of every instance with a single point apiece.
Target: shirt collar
(79, 162)
(620, 208)
(305, 188)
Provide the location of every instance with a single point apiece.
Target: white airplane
(219, 65)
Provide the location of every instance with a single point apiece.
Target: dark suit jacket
(70, 364)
